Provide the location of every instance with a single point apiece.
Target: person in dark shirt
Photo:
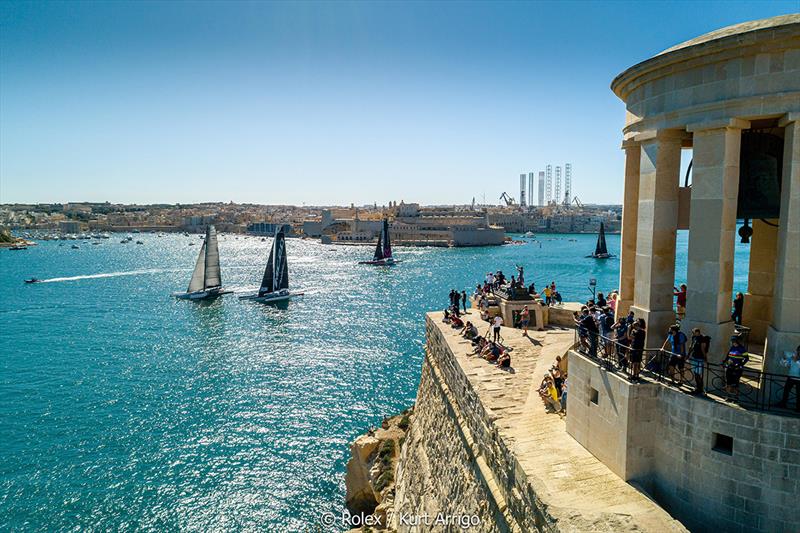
(636, 337)
(590, 326)
(698, 349)
(734, 364)
(601, 300)
(464, 300)
(738, 306)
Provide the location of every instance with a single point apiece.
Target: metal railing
(747, 387)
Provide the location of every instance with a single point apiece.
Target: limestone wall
(453, 461)
(667, 442)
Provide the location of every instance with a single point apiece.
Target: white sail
(196, 283)
(213, 276)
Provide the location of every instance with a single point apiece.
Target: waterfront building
(69, 226)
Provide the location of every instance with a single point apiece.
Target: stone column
(784, 333)
(659, 174)
(757, 314)
(630, 215)
(712, 230)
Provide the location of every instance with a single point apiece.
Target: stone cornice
(732, 123)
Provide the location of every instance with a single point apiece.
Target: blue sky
(323, 103)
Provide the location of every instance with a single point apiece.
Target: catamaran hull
(267, 299)
(200, 295)
(381, 262)
(600, 256)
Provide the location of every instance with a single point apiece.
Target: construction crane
(577, 201)
(507, 199)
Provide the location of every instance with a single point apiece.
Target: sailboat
(383, 250)
(206, 279)
(275, 284)
(600, 250)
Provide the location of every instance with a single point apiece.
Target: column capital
(788, 118)
(630, 142)
(727, 123)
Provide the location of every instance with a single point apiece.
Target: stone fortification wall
(713, 466)
(453, 462)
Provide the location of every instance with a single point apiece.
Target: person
(494, 352)
(698, 351)
(498, 321)
(446, 318)
(547, 294)
(636, 337)
(630, 318)
(564, 395)
(601, 300)
(504, 361)
(612, 302)
(532, 289)
(676, 340)
(521, 275)
(734, 366)
(478, 291)
(738, 306)
(464, 300)
(621, 341)
(590, 326)
(680, 300)
(525, 318)
(555, 296)
(792, 379)
(551, 394)
(456, 322)
(470, 331)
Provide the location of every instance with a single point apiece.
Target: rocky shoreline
(370, 477)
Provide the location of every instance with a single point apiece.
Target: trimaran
(206, 279)
(275, 284)
(383, 250)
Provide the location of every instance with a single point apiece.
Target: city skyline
(322, 103)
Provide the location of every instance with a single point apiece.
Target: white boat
(530, 234)
(275, 283)
(383, 250)
(206, 279)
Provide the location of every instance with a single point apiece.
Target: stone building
(733, 97)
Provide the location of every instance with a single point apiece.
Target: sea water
(124, 408)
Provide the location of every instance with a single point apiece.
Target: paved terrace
(578, 490)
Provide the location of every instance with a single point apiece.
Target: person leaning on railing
(676, 340)
(792, 379)
(734, 366)
(698, 350)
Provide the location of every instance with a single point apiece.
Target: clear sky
(323, 103)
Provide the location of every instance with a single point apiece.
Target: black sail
(601, 249)
(387, 245)
(276, 274)
(379, 248)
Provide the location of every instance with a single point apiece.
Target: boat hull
(200, 295)
(270, 298)
(381, 262)
(600, 256)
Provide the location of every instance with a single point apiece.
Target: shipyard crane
(577, 201)
(507, 199)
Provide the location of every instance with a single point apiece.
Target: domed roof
(737, 29)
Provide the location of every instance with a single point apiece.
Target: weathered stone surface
(481, 444)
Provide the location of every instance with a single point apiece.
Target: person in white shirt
(498, 321)
(792, 379)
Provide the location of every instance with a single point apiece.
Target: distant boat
(600, 250)
(139, 242)
(18, 247)
(75, 247)
(275, 283)
(33, 280)
(206, 279)
(530, 234)
(383, 250)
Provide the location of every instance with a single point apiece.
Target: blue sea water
(123, 408)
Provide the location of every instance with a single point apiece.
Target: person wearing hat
(734, 366)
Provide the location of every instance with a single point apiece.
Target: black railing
(747, 387)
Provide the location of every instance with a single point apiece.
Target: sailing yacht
(383, 250)
(206, 279)
(600, 250)
(275, 283)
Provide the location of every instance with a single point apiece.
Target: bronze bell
(760, 172)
